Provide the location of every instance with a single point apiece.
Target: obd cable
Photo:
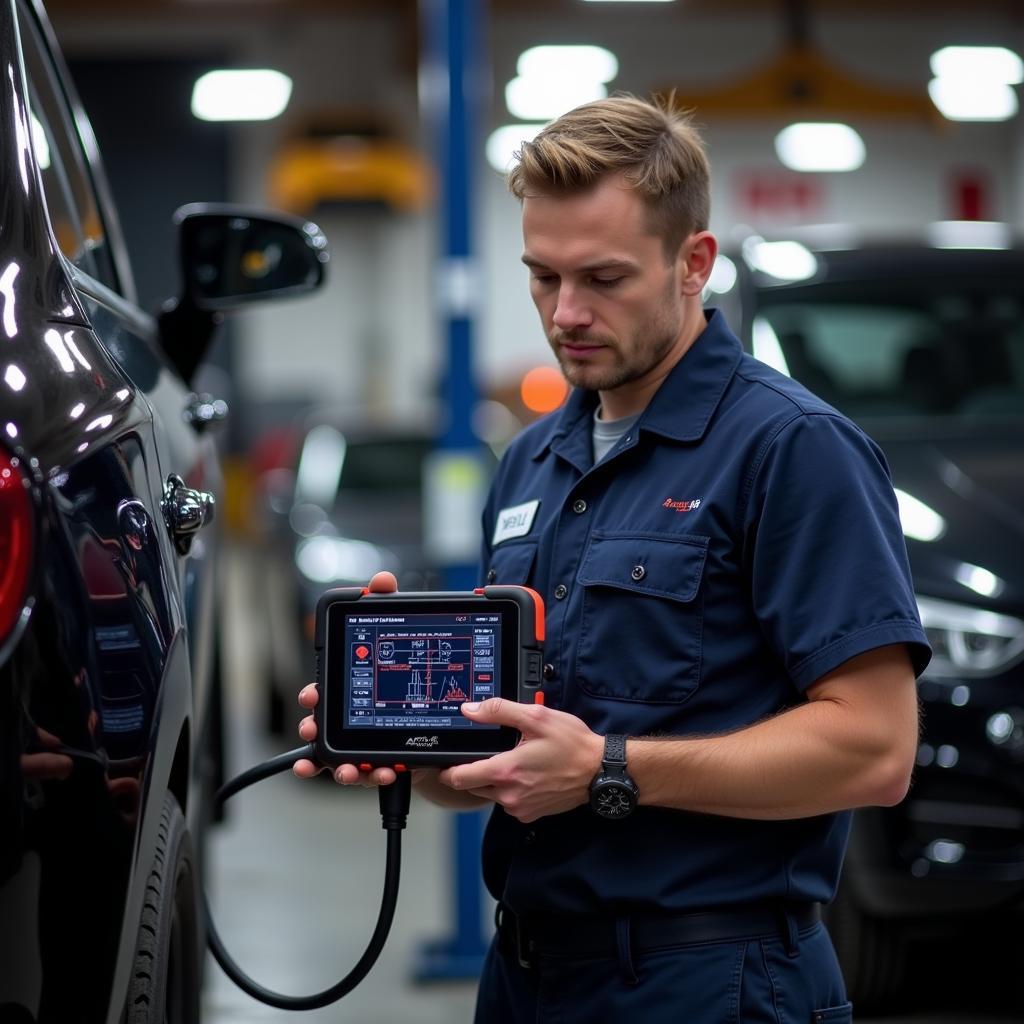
(394, 810)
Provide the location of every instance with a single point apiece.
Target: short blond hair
(654, 146)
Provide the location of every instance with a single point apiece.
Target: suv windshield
(927, 348)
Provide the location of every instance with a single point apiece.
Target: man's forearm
(825, 755)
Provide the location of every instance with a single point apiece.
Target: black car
(924, 347)
(109, 664)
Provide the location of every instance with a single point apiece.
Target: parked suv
(923, 345)
(109, 686)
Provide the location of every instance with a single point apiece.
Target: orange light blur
(543, 389)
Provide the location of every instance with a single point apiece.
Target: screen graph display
(416, 670)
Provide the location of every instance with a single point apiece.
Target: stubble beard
(647, 347)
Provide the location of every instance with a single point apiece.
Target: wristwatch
(613, 794)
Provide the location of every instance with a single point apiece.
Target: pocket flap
(647, 563)
(511, 563)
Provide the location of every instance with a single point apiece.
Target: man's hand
(346, 774)
(547, 773)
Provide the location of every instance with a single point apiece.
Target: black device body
(394, 669)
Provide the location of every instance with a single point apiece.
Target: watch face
(613, 800)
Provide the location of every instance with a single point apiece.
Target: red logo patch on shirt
(681, 506)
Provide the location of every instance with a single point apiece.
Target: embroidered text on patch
(681, 506)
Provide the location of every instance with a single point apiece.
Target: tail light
(15, 541)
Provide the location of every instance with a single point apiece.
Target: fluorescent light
(252, 95)
(980, 580)
(969, 234)
(919, 522)
(787, 261)
(537, 98)
(807, 146)
(767, 347)
(594, 63)
(505, 142)
(980, 99)
(969, 63)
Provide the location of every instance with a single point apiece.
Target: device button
(400, 768)
(638, 573)
(579, 506)
(533, 666)
(560, 591)
(549, 672)
(366, 767)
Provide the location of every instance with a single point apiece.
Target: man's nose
(570, 310)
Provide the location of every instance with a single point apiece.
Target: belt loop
(790, 934)
(625, 952)
(524, 945)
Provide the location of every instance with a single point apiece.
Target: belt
(601, 936)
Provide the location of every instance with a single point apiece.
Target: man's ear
(697, 256)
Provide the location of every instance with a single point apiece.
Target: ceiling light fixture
(241, 95)
(809, 147)
(505, 141)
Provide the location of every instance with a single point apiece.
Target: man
(732, 636)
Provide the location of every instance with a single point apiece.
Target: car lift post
(452, 86)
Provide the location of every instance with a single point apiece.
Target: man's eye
(544, 278)
(606, 282)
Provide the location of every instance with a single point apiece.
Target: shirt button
(549, 672)
(530, 837)
(579, 506)
(492, 575)
(638, 573)
(560, 591)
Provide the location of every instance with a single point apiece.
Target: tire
(164, 986)
(871, 951)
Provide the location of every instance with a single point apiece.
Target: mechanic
(732, 634)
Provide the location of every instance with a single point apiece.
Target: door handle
(186, 511)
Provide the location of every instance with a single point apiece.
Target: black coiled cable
(394, 809)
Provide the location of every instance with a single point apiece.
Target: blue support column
(451, 92)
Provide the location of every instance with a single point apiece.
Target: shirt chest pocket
(511, 564)
(640, 627)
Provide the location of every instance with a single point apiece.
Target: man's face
(611, 303)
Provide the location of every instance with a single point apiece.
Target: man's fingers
(350, 775)
(383, 583)
(497, 710)
(309, 696)
(305, 769)
(307, 729)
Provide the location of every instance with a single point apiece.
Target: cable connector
(394, 802)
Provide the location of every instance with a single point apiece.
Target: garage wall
(371, 339)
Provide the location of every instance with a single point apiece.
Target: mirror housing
(232, 256)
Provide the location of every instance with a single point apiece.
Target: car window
(942, 350)
(70, 199)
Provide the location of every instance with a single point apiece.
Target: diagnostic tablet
(393, 671)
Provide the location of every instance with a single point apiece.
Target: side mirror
(231, 256)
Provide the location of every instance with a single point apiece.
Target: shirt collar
(684, 404)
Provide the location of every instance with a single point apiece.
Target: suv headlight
(969, 641)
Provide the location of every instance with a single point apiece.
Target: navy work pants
(763, 980)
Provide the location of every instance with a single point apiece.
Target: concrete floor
(296, 876)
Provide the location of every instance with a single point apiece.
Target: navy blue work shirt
(739, 543)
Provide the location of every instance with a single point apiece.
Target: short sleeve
(829, 574)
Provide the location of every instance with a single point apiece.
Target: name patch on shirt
(515, 521)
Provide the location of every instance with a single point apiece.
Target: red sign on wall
(772, 194)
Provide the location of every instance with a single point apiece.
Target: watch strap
(614, 751)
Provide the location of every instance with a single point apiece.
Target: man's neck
(632, 398)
